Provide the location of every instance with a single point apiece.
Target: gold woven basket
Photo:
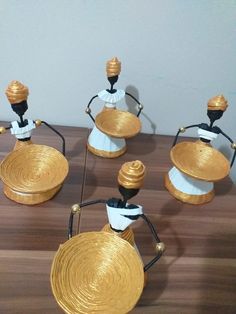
(199, 160)
(117, 123)
(97, 272)
(33, 174)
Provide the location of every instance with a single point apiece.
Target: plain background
(175, 56)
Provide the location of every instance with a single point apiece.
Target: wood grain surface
(197, 273)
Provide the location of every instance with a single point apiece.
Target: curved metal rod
(59, 134)
(88, 109)
(137, 101)
(157, 239)
(232, 142)
(182, 130)
(76, 209)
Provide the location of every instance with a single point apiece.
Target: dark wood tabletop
(197, 273)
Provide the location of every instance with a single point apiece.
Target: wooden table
(197, 273)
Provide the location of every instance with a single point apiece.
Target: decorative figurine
(112, 126)
(31, 173)
(196, 164)
(102, 272)
(17, 94)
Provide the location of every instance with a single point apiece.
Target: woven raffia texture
(199, 160)
(97, 272)
(117, 123)
(127, 234)
(34, 169)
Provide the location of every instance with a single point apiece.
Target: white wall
(175, 56)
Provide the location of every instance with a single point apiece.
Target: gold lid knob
(131, 174)
(113, 67)
(217, 103)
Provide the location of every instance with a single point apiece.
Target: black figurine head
(214, 115)
(216, 107)
(127, 193)
(20, 108)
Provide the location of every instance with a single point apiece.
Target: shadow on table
(72, 190)
(149, 145)
(223, 187)
(78, 149)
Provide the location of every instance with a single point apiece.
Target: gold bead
(140, 106)
(233, 145)
(38, 122)
(2, 130)
(75, 208)
(160, 247)
(182, 130)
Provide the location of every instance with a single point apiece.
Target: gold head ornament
(16, 92)
(113, 67)
(217, 103)
(131, 174)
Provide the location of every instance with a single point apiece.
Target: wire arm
(233, 146)
(160, 247)
(59, 134)
(76, 209)
(140, 106)
(182, 130)
(88, 109)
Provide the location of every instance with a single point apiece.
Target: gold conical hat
(117, 123)
(97, 272)
(199, 160)
(113, 67)
(17, 92)
(34, 169)
(217, 103)
(131, 174)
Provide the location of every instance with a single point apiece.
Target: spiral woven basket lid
(34, 169)
(199, 160)
(117, 123)
(97, 272)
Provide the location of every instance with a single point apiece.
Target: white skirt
(104, 145)
(188, 189)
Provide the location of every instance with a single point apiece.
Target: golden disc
(97, 272)
(34, 169)
(117, 123)
(199, 160)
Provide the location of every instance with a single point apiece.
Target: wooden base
(106, 154)
(30, 198)
(187, 198)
